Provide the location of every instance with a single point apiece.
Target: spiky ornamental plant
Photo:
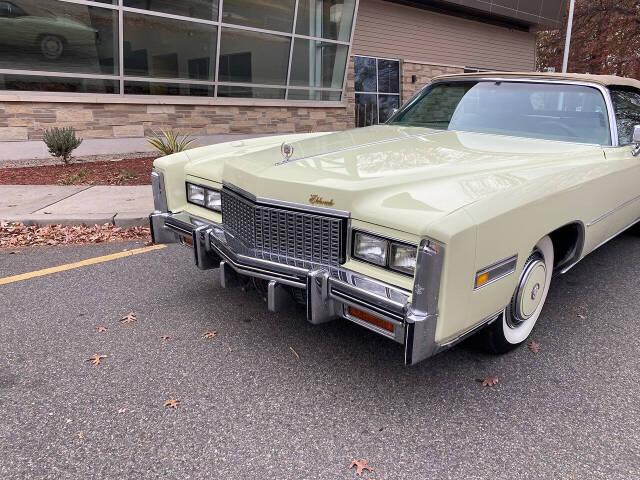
(61, 142)
(168, 141)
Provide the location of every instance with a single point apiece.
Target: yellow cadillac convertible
(448, 220)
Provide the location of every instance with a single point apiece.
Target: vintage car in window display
(448, 220)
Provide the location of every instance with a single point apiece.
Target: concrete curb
(124, 220)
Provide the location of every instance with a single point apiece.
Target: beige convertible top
(606, 80)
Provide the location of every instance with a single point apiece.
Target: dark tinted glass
(387, 104)
(58, 84)
(58, 37)
(206, 9)
(627, 106)
(330, 19)
(250, 92)
(166, 48)
(365, 74)
(251, 57)
(173, 89)
(318, 64)
(366, 110)
(571, 113)
(266, 14)
(388, 76)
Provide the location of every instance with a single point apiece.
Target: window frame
(377, 92)
(121, 78)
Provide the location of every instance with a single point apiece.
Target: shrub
(168, 141)
(61, 142)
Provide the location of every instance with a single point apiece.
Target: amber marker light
(367, 317)
(482, 279)
(188, 240)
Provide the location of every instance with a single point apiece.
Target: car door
(626, 103)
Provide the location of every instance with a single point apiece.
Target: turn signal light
(367, 317)
(482, 279)
(188, 240)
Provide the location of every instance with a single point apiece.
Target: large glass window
(325, 18)
(627, 106)
(229, 49)
(252, 57)
(570, 113)
(167, 48)
(377, 85)
(54, 36)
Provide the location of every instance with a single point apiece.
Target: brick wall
(424, 73)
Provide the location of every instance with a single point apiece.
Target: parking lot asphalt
(250, 409)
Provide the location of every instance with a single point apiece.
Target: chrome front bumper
(330, 291)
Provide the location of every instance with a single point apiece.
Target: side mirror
(636, 139)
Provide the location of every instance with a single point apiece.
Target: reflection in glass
(166, 48)
(316, 95)
(387, 104)
(318, 64)
(627, 106)
(365, 74)
(58, 84)
(173, 89)
(251, 57)
(388, 76)
(366, 109)
(266, 14)
(206, 9)
(330, 19)
(58, 36)
(250, 92)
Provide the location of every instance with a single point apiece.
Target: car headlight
(213, 200)
(370, 249)
(195, 194)
(204, 197)
(403, 258)
(384, 252)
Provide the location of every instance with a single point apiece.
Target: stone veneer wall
(424, 73)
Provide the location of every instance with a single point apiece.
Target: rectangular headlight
(370, 249)
(213, 200)
(403, 258)
(195, 194)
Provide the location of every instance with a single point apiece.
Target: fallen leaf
(229, 349)
(101, 329)
(295, 353)
(130, 317)
(534, 347)
(172, 402)
(95, 359)
(489, 381)
(148, 244)
(581, 317)
(122, 410)
(360, 466)
(165, 337)
(12, 205)
(14, 252)
(210, 334)
(80, 434)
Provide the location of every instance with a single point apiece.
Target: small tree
(168, 141)
(61, 142)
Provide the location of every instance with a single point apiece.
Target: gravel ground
(250, 409)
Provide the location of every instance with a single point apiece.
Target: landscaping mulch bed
(133, 171)
(16, 235)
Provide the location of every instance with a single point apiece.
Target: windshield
(570, 113)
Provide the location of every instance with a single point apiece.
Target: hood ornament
(287, 150)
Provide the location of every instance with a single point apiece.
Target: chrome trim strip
(284, 204)
(496, 266)
(611, 212)
(569, 267)
(159, 191)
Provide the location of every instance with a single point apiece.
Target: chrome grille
(284, 235)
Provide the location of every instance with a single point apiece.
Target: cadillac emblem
(287, 150)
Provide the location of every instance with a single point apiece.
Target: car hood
(399, 177)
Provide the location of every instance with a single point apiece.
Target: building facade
(123, 68)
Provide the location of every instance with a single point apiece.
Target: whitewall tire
(523, 311)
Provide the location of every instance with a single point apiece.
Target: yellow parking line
(83, 263)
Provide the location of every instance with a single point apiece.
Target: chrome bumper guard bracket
(330, 291)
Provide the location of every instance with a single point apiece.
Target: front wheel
(51, 46)
(527, 301)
